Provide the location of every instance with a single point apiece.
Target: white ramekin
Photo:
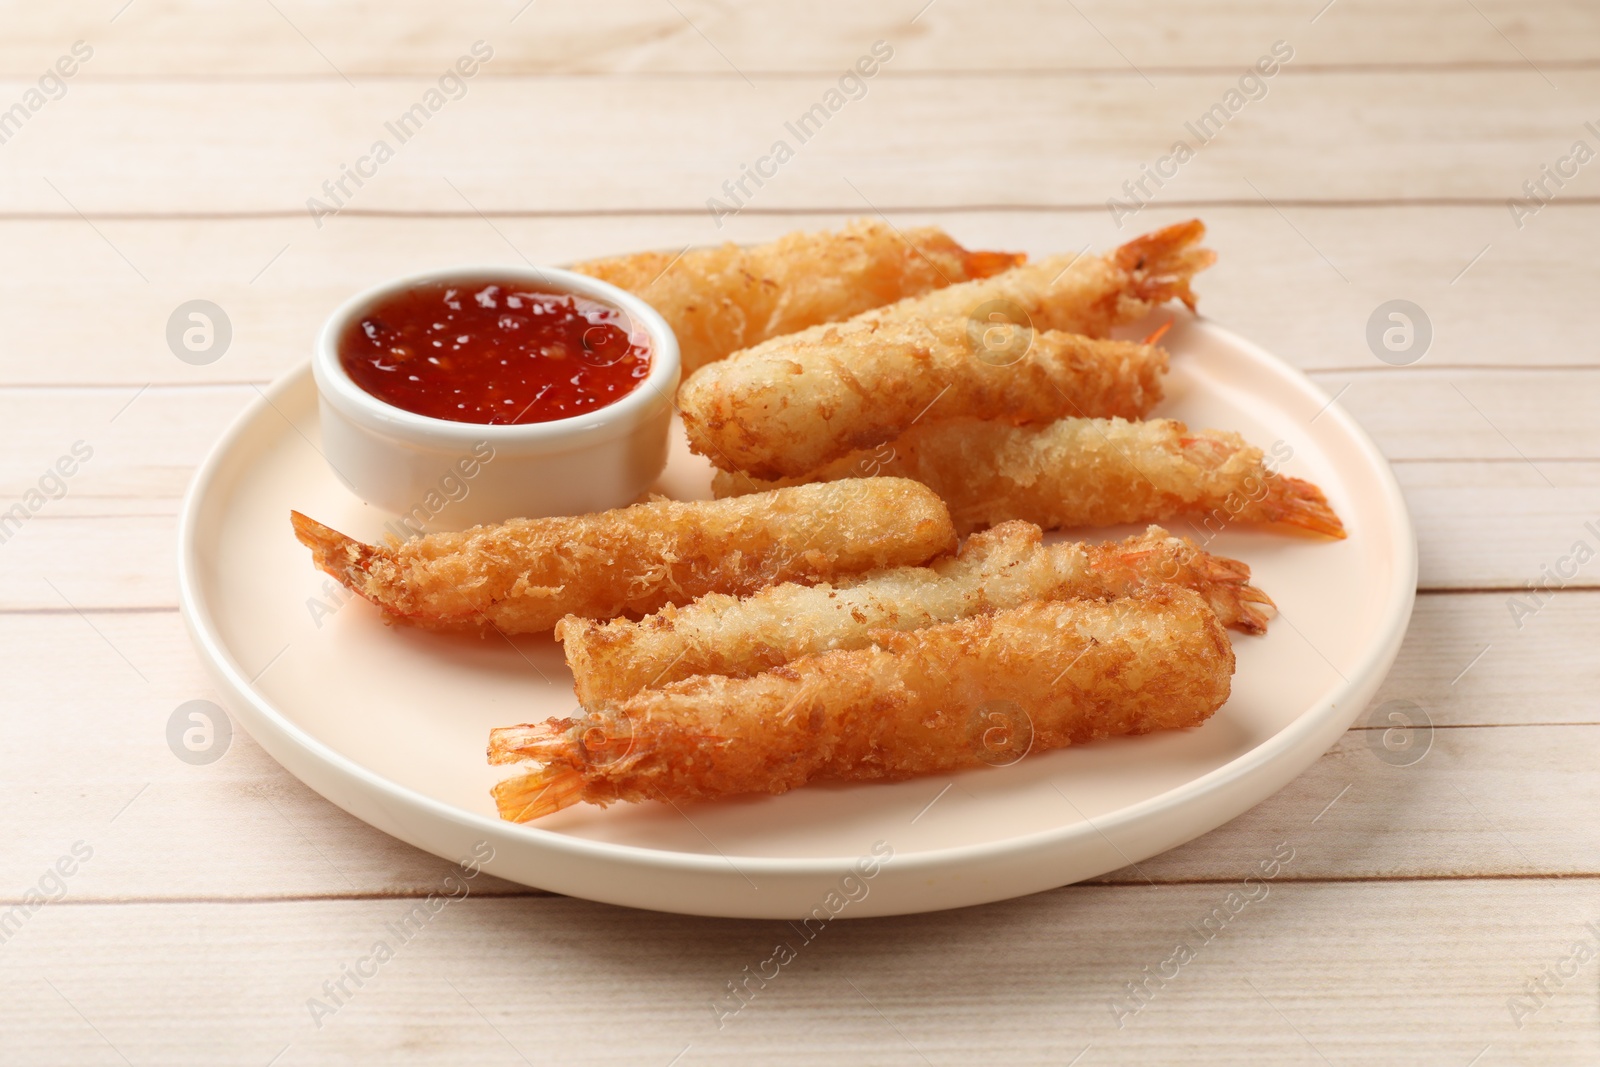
(431, 472)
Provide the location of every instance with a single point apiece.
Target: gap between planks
(851, 210)
(924, 74)
(530, 893)
(1298, 69)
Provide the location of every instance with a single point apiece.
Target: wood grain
(245, 147)
(277, 279)
(1307, 974)
(1421, 899)
(189, 40)
(1486, 516)
(1502, 732)
(105, 552)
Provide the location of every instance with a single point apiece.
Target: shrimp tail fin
(543, 792)
(543, 742)
(333, 552)
(1298, 503)
(555, 785)
(1223, 582)
(988, 264)
(1163, 263)
(1254, 608)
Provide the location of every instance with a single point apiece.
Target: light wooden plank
(87, 706)
(1032, 981)
(998, 139)
(1396, 102)
(1512, 415)
(1473, 660)
(1499, 525)
(195, 40)
(141, 444)
(127, 493)
(116, 561)
(65, 563)
(1498, 743)
(1533, 419)
(1517, 530)
(1453, 813)
(277, 279)
(1518, 524)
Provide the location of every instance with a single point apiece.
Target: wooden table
(1436, 911)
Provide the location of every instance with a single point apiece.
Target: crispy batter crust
(984, 690)
(996, 570)
(1084, 472)
(718, 300)
(794, 403)
(1085, 294)
(523, 576)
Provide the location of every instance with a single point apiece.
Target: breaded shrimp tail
(331, 551)
(996, 570)
(794, 403)
(1156, 556)
(1161, 264)
(1085, 472)
(522, 576)
(721, 299)
(984, 690)
(1297, 503)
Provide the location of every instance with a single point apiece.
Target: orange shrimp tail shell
(544, 792)
(1298, 503)
(1163, 263)
(333, 553)
(1223, 582)
(987, 264)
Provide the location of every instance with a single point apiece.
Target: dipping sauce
(494, 354)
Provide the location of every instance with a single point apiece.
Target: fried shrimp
(1085, 472)
(984, 690)
(793, 403)
(996, 570)
(1085, 294)
(525, 575)
(718, 300)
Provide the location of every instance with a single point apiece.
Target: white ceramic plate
(391, 723)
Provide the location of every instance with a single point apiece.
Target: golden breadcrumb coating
(524, 575)
(1084, 472)
(984, 690)
(996, 570)
(718, 300)
(789, 405)
(1087, 294)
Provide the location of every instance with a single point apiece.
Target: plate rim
(1376, 655)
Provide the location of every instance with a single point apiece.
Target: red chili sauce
(494, 354)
